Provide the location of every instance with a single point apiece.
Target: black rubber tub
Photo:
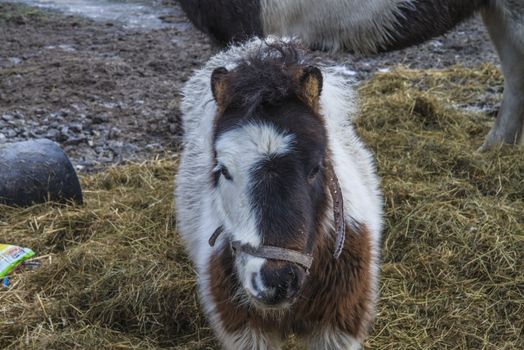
(35, 172)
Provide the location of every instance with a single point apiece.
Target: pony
(277, 200)
(371, 26)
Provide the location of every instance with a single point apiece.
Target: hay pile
(453, 273)
(114, 274)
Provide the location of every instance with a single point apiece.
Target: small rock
(67, 47)
(64, 130)
(7, 117)
(122, 149)
(15, 122)
(73, 141)
(53, 134)
(113, 133)
(40, 111)
(99, 119)
(153, 146)
(15, 60)
(76, 127)
(107, 159)
(56, 115)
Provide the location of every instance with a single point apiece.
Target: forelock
(251, 143)
(265, 76)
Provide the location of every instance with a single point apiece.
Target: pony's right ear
(219, 85)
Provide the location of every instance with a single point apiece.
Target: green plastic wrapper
(11, 256)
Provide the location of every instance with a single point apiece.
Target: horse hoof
(35, 172)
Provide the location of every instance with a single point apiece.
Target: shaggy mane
(266, 76)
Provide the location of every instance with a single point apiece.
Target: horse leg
(506, 29)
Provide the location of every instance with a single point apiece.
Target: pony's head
(272, 175)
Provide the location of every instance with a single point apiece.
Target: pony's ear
(219, 85)
(310, 85)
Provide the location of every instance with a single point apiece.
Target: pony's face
(269, 190)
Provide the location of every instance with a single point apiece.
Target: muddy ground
(109, 94)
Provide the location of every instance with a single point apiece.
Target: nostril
(276, 284)
(293, 285)
(291, 291)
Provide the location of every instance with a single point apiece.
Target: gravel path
(109, 94)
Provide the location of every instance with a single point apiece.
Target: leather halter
(266, 251)
(338, 210)
(276, 253)
(293, 256)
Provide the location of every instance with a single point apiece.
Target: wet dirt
(109, 93)
(105, 93)
(131, 14)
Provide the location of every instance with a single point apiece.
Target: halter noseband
(267, 251)
(293, 256)
(276, 253)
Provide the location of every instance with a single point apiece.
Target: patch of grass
(115, 274)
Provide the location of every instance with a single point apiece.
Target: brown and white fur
(369, 26)
(273, 192)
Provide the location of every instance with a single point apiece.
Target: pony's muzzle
(277, 283)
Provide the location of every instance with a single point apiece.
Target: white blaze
(240, 150)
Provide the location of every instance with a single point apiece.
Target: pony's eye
(313, 173)
(225, 173)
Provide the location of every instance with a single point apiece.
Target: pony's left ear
(219, 85)
(310, 84)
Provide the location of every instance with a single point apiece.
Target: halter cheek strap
(214, 236)
(338, 210)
